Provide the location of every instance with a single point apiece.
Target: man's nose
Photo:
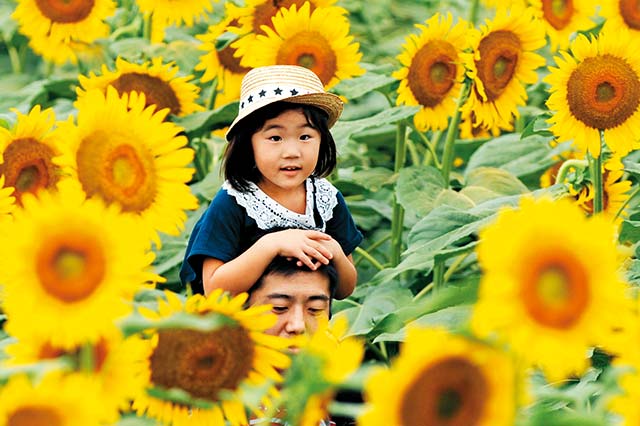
(295, 323)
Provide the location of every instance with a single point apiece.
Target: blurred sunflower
(501, 63)
(53, 24)
(28, 149)
(622, 13)
(562, 19)
(156, 80)
(432, 71)
(119, 365)
(303, 38)
(597, 88)
(627, 362)
(211, 367)
(7, 200)
(443, 379)
(258, 13)
(325, 360)
(71, 400)
(165, 13)
(539, 268)
(70, 262)
(127, 154)
(468, 130)
(221, 64)
(615, 193)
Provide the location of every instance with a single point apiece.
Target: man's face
(298, 301)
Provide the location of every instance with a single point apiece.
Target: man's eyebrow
(279, 296)
(319, 297)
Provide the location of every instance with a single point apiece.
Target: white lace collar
(268, 213)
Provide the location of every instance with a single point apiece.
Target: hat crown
(286, 75)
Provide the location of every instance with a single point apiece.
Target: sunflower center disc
(310, 48)
(432, 72)
(267, 10)
(70, 267)
(34, 416)
(630, 11)
(28, 167)
(65, 11)
(451, 392)
(603, 92)
(499, 53)
(156, 91)
(556, 291)
(230, 62)
(202, 363)
(558, 13)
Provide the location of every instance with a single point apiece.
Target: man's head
(299, 295)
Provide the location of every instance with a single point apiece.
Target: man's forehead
(301, 285)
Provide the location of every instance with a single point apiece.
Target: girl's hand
(332, 246)
(308, 246)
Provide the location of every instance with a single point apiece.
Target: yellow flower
(562, 19)
(165, 13)
(221, 64)
(158, 82)
(432, 71)
(443, 379)
(53, 26)
(7, 201)
(550, 277)
(58, 400)
(597, 88)
(621, 13)
(68, 265)
(501, 64)
(120, 366)
(28, 150)
(303, 38)
(211, 366)
(627, 358)
(127, 154)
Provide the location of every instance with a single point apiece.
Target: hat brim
(328, 102)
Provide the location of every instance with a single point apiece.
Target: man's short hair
(282, 266)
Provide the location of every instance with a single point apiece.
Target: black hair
(239, 163)
(282, 266)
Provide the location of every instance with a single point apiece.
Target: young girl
(275, 200)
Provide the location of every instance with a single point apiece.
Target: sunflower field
(488, 151)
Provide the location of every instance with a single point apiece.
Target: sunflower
(221, 64)
(562, 19)
(258, 13)
(628, 360)
(615, 193)
(71, 400)
(326, 359)
(52, 25)
(28, 149)
(212, 367)
(622, 13)
(69, 264)
(443, 379)
(432, 72)
(119, 364)
(539, 268)
(126, 153)
(165, 13)
(501, 64)
(468, 130)
(158, 82)
(597, 88)
(7, 201)
(303, 38)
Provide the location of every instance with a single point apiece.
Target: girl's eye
(306, 137)
(275, 138)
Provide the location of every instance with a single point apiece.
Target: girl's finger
(317, 235)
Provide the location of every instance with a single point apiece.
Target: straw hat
(265, 85)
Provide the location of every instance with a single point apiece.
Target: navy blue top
(226, 230)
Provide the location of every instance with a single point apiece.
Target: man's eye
(315, 311)
(279, 309)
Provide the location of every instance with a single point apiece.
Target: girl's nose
(290, 149)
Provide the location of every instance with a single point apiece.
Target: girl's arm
(239, 274)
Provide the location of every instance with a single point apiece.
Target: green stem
(146, 27)
(429, 145)
(87, 358)
(567, 166)
(454, 265)
(452, 131)
(397, 218)
(424, 291)
(627, 201)
(372, 247)
(372, 260)
(214, 93)
(595, 167)
(473, 12)
(438, 274)
(413, 152)
(14, 57)
(381, 356)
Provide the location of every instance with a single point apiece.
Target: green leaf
(486, 183)
(133, 420)
(520, 157)
(343, 130)
(199, 123)
(418, 188)
(378, 303)
(356, 87)
(450, 318)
